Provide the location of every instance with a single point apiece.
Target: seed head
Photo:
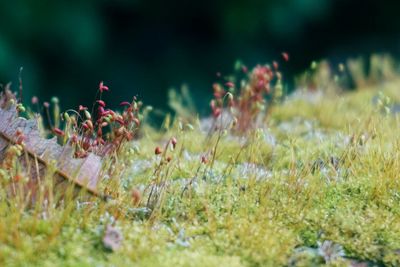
(101, 103)
(125, 103)
(66, 117)
(35, 100)
(102, 87)
(174, 142)
(20, 108)
(136, 196)
(87, 115)
(89, 124)
(158, 151)
(230, 84)
(82, 108)
(285, 56)
(55, 100)
(101, 111)
(58, 132)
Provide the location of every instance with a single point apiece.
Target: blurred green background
(146, 47)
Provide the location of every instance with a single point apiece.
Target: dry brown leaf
(83, 172)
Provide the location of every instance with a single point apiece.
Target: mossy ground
(325, 170)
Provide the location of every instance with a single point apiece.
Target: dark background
(146, 47)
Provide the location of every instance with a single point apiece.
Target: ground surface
(319, 186)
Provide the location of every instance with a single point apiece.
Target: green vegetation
(317, 184)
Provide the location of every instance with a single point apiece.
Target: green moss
(332, 173)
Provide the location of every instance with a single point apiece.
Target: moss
(331, 175)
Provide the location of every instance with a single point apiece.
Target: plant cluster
(355, 73)
(249, 99)
(101, 131)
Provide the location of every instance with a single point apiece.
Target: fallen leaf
(42, 152)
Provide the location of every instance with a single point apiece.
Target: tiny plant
(101, 131)
(249, 99)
